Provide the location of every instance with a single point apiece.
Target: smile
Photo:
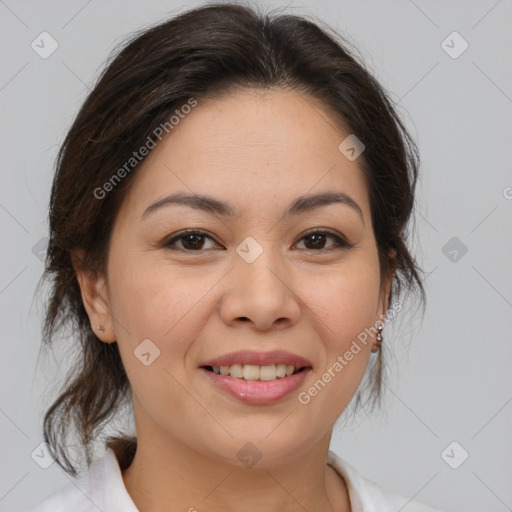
(255, 377)
(256, 372)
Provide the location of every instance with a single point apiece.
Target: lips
(252, 357)
(267, 387)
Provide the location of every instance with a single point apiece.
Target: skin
(257, 150)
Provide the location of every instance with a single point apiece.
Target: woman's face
(262, 276)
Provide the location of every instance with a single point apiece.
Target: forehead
(254, 148)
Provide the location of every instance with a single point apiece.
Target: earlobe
(94, 297)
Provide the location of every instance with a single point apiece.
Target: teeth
(251, 372)
(255, 372)
(268, 372)
(236, 371)
(281, 370)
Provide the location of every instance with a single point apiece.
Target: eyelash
(341, 243)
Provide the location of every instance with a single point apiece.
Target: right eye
(192, 240)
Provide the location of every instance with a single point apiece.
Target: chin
(262, 451)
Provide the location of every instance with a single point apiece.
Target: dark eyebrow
(209, 204)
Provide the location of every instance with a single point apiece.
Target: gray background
(453, 381)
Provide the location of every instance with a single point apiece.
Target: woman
(228, 222)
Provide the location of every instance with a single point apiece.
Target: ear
(93, 287)
(387, 284)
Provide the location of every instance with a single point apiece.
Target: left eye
(194, 241)
(316, 240)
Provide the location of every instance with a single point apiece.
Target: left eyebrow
(302, 204)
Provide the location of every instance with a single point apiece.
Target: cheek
(344, 307)
(169, 307)
(150, 301)
(346, 299)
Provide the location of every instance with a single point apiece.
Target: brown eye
(316, 240)
(191, 241)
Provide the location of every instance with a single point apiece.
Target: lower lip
(257, 392)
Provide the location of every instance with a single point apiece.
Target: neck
(166, 471)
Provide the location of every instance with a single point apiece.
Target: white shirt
(103, 489)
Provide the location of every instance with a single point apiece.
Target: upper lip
(259, 358)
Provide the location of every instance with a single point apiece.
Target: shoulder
(368, 496)
(102, 489)
(72, 497)
(89, 493)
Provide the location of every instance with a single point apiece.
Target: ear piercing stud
(101, 328)
(377, 346)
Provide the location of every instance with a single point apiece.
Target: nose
(260, 293)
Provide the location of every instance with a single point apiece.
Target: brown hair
(208, 50)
